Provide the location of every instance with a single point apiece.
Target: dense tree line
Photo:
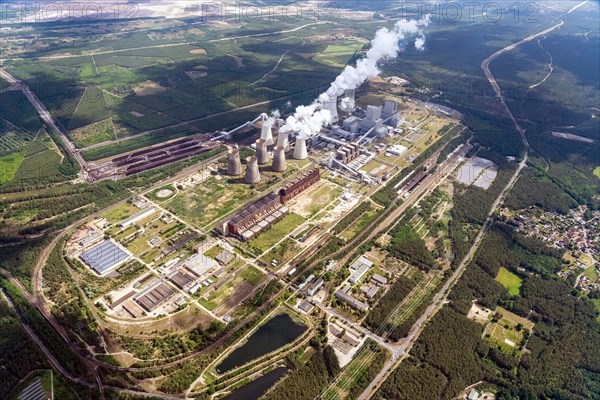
(309, 380)
(382, 310)
(18, 354)
(535, 189)
(351, 217)
(42, 329)
(407, 245)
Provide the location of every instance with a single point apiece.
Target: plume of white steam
(347, 104)
(308, 120)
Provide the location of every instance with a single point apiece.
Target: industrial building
(314, 288)
(359, 268)
(199, 264)
(224, 257)
(379, 280)
(351, 301)
(151, 299)
(255, 218)
(104, 257)
(137, 217)
(300, 184)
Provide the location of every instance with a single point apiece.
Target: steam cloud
(308, 120)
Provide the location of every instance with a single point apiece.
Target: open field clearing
(510, 281)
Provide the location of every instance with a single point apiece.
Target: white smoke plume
(308, 120)
(347, 104)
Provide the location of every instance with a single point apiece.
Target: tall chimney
(234, 165)
(252, 172)
(267, 133)
(261, 151)
(283, 140)
(279, 164)
(300, 152)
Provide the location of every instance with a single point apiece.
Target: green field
(597, 171)
(279, 231)
(510, 281)
(9, 165)
(591, 273)
(209, 200)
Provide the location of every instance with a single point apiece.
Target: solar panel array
(104, 256)
(34, 391)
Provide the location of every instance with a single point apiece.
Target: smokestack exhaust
(252, 171)
(279, 164)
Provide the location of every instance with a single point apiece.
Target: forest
(377, 317)
(309, 380)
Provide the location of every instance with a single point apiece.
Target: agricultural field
(510, 281)
(13, 139)
(338, 54)
(94, 133)
(9, 165)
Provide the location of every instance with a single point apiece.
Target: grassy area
(597, 171)
(93, 133)
(252, 275)
(510, 281)
(209, 200)
(119, 213)
(9, 165)
(280, 230)
(591, 273)
(284, 252)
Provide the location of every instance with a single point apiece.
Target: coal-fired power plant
(279, 164)
(234, 165)
(252, 171)
(261, 152)
(300, 152)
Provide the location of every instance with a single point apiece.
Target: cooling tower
(283, 140)
(267, 133)
(279, 164)
(261, 151)
(234, 165)
(300, 152)
(252, 172)
(331, 105)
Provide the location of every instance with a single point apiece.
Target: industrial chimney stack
(261, 151)
(234, 165)
(279, 164)
(252, 172)
(300, 152)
